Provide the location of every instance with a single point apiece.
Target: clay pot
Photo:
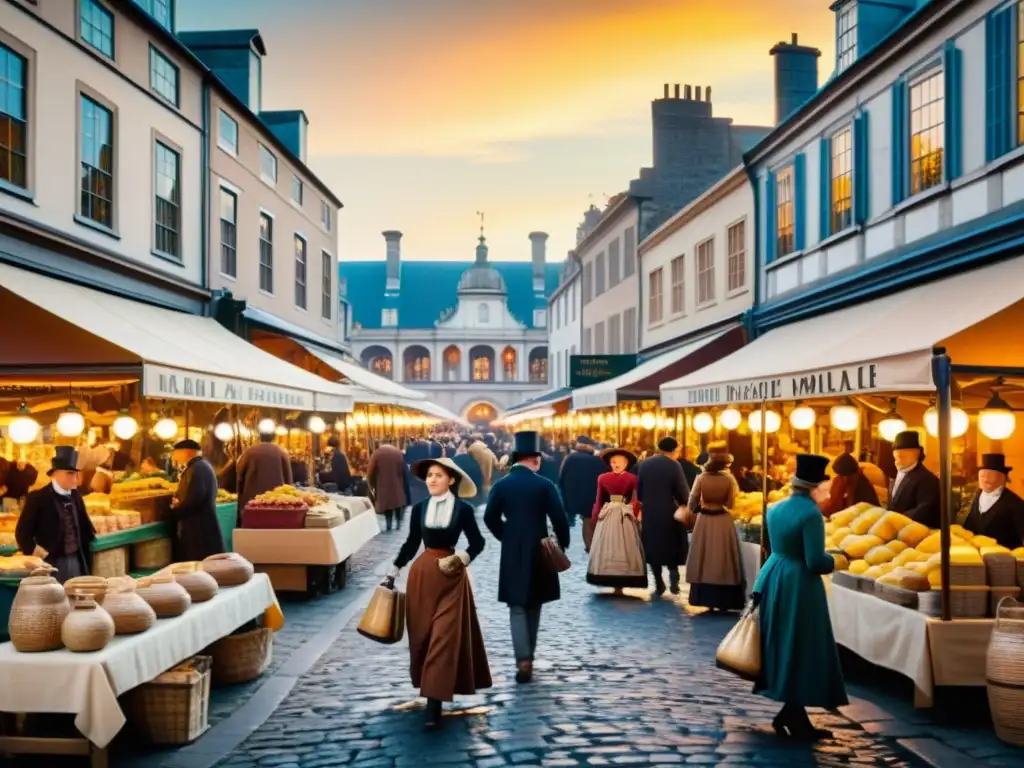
(40, 607)
(166, 597)
(200, 585)
(88, 627)
(131, 614)
(229, 569)
(92, 586)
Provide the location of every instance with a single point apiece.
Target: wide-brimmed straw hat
(465, 488)
(607, 454)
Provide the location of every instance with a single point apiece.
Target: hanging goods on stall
(40, 607)
(131, 614)
(228, 569)
(1004, 672)
(88, 627)
(740, 651)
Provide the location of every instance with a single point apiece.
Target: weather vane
(481, 215)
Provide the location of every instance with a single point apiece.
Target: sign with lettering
(175, 384)
(331, 403)
(585, 370)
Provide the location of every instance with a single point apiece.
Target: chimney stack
(796, 76)
(393, 240)
(698, 93)
(688, 93)
(539, 256)
(666, 90)
(677, 90)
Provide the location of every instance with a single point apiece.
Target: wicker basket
(110, 562)
(968, 602)
(1004, 673)
(967, 575)
(172, 709)
(241, 658)
(930, 603)
(152, 555)
(996, 595)
(1002, 569)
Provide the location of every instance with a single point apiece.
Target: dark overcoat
(578, 482)
(917, 497)
(549, 466)
(388, 476)
(40, 523)
(519, 508)
(1004, 521)
(261, 468)
(195, 513)
(417, 451)
(662, 489)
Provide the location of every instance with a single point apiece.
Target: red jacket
(609, 484)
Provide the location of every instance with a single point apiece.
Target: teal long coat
(799, 659)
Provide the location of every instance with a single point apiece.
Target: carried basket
(173, 708)
(1004, 672)
(242, 657)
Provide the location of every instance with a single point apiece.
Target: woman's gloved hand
(453, 563)
(388, 582)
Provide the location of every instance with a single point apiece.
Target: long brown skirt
(714, 568)
(446, 649)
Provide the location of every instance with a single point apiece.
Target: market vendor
(996, 511)
(915, 491)
(849, 486)
(54, 524)
(194, 509)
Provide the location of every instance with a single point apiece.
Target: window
(13, 118)
(325, 215)
(927, 131)
(389, 318)
(167, 238)
(268, 165)
(163, 77)
(296, 190)
(615, 335)
(629, 331)
(266, 253)
(678, 275)
(846, 35)
(784, 213)
(599, 348)
(588, 342)
(481, 368)
(326, 285)
(842, 180)
(540, 318)
(654, 299)
(228, 233)
(96, 27)
(301, 264)
(705, 271)
(227, 132)
(508, 364)
(483, 314)
(629, 252)
(97, 159)
(614, 265)
(160, 10)
(599, 274)
(736, 237)
(588, 282)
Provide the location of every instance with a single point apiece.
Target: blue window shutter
(770, 232)
(999, 35)
(800, 201)
(861, 172)
(954, 110)
(825, 187)
(900, 141)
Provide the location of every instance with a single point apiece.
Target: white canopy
(182, 356)
(366, 380)
(880, 346)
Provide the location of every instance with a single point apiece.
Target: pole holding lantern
(942, 376)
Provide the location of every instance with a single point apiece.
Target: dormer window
(846, 35)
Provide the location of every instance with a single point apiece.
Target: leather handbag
(740, 651)
(384, 618)
(553, 557)
(687, 517)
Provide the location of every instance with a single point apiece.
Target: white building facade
(565, 323)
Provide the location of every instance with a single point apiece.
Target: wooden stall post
(765, 544)
(942, 377)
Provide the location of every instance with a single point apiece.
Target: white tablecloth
(305, 546)
(89, 683)
(750, 555)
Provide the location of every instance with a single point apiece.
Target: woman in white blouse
(446, 648)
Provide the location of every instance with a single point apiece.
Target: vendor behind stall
(194, 509)
(850, 486)
(996, 511)
(915, 491)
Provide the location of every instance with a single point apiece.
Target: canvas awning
(882, 346)
(547, 399)
(300, 334)
(642, 382)
(56, 324)
(366, 380)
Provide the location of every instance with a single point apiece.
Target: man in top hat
(915, 491)
(54, 524)
(996, 511)
(518, 511)
(194, 509)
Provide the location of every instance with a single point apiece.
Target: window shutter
(999, 34)
(900, 141)
(824, 190)
(770, 233)
(800, 201)
(954, 110)
(861, 172)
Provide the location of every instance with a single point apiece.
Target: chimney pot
(688, 93)
(666, 90)
(677, 90)
(794, 38)
(707, 94)
(697, 97)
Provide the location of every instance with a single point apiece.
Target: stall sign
(585, 370)
(176, 384)
(330, 403)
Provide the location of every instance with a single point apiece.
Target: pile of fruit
(223, 497)
(747, 508)
(307, 497)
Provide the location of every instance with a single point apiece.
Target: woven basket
(173, 708)
(930, 603)
(997, 594)
(964, 575)
(1004, 673)
(1002, 569)
(110, 562)
(152, 555)
(241, 658)
(968, 602)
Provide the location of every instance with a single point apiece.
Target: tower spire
(481, 215)
(481, 248)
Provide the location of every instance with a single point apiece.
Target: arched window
(378, 359)
(509, 359)
(482, 363)
(539, 365)
(483, 313)
(417, 363)
(452, 363)
(481, 414)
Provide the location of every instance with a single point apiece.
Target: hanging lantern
(165, 429)
(317, 425)
(997, 420)
(281, 431)
(772, 421)
(548, 423)
(634, 420)
(959, 422)
(803, 417)
(647, 421)
(584, 419)
(266, 427)
(730, 418)
(243, 432)
(71, 422)
(124, 427)
(892, 424)
(703, 423)
(223, 431)
(845, 417)
(23, 429)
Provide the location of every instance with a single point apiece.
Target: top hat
(810, 470)
(187, 445)
(907, 439)
(845, 465)
(464, 486)
(607, 454)
(996, 462)
(65, 459)
(525, 444)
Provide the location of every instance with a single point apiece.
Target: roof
(224, 38)
(275, 116)
(431, 287)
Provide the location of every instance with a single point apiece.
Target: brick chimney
(393, 239)
(539, 257)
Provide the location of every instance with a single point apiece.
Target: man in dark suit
(915, 491)
(194, 509)
(518, 511)
(661, 489)
(54, 525)
(578, 483)
(339, 473)
(996, 511)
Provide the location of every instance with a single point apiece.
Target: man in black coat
(578, 483)
(518, 511)
(996, 511)
(54, 524)
(690, 470)
(194, 509)
(662, 489)
(339, 472)
(915, 491)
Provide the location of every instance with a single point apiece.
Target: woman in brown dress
(446, 648)
(714, 569)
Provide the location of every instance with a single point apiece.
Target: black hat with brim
(65, 459)
(525, 444)
(995, 462)
(607, 453)
(187, 445)
(810, 470)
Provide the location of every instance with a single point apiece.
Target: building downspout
(204, 220)
(579, 271)
(749, 320)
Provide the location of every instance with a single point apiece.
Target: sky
(424, 112)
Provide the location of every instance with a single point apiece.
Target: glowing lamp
(584, 419)
(703, 423)
(223, 431)
(23, 429)
(803, 417)
(266, 427)
(648, 421)
(281, 431)
(996, 420)
(124, 427)
(958, 422)
(165, 429)
(339, 425)
(845, 418)
(317, 425)
(71, 423)
(730, 418)
(772, 421)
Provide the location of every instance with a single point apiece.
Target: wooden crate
(110, 562)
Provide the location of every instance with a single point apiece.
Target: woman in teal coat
(799, 660)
